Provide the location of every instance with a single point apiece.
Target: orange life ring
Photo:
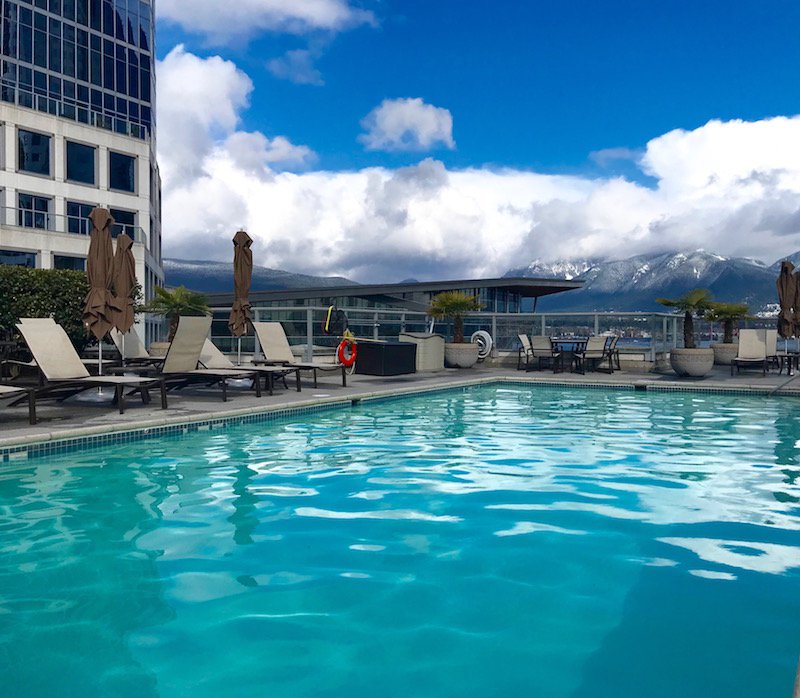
(346, 352)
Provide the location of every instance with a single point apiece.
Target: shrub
(41, 293)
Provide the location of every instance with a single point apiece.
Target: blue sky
(526, 88)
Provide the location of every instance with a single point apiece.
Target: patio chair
(213, 358)
(543, 351)
(277, 350)
(63, 374)
(132, 349)
(16, 393)
(594, 355)
(183, 356)
(614, 351)
(525, 351)
(752, 352)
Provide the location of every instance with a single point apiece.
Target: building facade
(77, 130)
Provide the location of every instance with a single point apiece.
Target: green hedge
(40, 293)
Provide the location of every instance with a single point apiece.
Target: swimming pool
(496, 541)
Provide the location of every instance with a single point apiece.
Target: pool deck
(91, 414)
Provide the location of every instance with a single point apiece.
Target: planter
(692, 362)
(460, 355)
(724, 354)
(158, 348)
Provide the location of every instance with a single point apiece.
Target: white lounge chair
(277, 350)
(132, 349)
(213, 358)
(183, 356)
(17, 394)
(63, 373)
(752, 352)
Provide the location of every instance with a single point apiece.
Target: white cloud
(407, 124)
(296, 66)
(730, 187)
(199, 103)
(242, 19)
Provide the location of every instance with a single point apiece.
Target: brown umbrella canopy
(124, 284)
(242, 274)
(99, 269)
(787, 289)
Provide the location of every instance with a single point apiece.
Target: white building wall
(57, 241)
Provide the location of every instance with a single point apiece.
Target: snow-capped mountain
(635, 283)
(217, 277)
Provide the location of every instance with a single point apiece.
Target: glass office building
(77, 130)
(86, 60)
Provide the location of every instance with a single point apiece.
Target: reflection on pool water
(500, 541)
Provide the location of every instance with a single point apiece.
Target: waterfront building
(77, 130)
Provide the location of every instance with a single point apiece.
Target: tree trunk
(688, 331)
(458, 329)
(727, 331)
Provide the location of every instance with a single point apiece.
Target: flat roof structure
(409, 294)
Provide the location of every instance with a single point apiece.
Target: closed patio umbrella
(787, 290)
(242, 275)
(124, 284)
(97, 313)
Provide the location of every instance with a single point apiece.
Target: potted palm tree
(691, 360)
(454, 305)
(172, 303)
(727, 314)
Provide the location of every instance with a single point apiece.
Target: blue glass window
(80, 163)
(33, 211)
(71, 263)
(18, 259)
(121, 172)
(78, 222)
(33, 152)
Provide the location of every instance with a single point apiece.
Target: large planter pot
(692, 362)
(724, 354)
(461, 355)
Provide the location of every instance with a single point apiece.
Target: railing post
(596, 324)
(402, 322)
(494, 335)
(675, 332)
(375, 326)
(309, 334)
(544, 327)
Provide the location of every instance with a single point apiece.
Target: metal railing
(646, 334)
(80, 113)
(50, 222)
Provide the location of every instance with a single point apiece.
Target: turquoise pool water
(496, 542)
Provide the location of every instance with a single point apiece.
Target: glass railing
(644, 334)
(73, 225)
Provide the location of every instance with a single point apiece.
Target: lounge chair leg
(224, 391)
(32, 407)
(120, 397)
(344, 378)
(257, 381)
(163, 386)
(314, 371)
(297, 379)
(270, 384)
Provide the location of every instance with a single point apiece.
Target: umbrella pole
(239, 360)
(100, 358)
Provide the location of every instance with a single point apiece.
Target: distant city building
(77, 130)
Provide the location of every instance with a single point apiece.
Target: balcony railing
(38, 221)
(55, 106)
